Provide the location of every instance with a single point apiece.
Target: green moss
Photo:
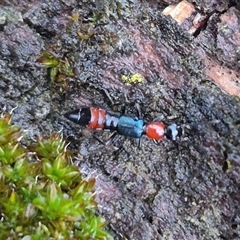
(47, 198)
(59, 69)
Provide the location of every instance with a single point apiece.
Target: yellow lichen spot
(229, 164)
(124, 78)
(136, 78)
(132, 79)
(75, 17)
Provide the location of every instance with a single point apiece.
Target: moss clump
(46, 198)
(59, 69)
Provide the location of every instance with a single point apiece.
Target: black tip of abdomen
(79, 116)
(73, 116)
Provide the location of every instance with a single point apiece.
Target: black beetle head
(173, 132)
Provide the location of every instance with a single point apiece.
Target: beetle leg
(138, 111)
(98, 139)
(123, 110)
(139, 143)
(111, 139)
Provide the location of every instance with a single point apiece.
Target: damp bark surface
(188, 189)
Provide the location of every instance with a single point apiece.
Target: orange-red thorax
(155, 130)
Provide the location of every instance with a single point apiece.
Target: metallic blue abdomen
(130, 127)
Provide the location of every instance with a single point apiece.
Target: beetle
(125, 125)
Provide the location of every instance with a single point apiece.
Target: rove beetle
(128, 126)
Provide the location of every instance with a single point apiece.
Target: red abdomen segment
(155, 130)
(98, 117)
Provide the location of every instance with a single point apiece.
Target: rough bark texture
(187, 189)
